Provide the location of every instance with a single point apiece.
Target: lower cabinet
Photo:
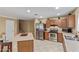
(46, 35)
(60, 37)
(25, 46)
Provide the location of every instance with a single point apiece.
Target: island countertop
(29, 36)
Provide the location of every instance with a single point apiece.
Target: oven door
(53, 37)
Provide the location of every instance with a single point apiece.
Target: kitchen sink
(72, 38)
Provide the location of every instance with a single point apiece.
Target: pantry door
(9, 30)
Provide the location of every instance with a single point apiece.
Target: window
(9, 30)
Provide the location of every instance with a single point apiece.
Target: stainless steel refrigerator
(40, 31)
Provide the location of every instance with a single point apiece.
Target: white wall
(76, 19)
(2, 25)
(43, 20)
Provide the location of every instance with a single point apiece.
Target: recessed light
(57, 7)
(41, 17)
(28, 11)
(58, 14)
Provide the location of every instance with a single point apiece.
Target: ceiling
(35, 12)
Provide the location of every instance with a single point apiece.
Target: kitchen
(55, 26)
(41, 34)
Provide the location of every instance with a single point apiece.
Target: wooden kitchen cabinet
(60, 37)
(63, 23)
(47, 23)
(54, 22)
(46, 35)
(71, 21)
(25, 46)
(59, 22)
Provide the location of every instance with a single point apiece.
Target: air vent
(35, 14)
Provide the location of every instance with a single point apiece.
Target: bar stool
(8, 45)
(1, 42)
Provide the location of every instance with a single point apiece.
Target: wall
(11, 28)
(16, 26)
(43, 20)
(26, 26)
(2, 25)
(76, 19)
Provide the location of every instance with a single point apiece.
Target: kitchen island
(23, 43)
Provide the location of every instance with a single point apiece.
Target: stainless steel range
(53, 35)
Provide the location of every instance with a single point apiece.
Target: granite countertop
(71, 45)
(29, 36)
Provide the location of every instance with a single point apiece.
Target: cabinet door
(71, 21)
(54, 22)
(46, 35)
(64, 23)
(25, 46)
(60, 37)
(47, 23)
(59, 23)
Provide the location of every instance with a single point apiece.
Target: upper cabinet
(59, 22)
(47, 23)
(71, 21)
(53, 22)
(65, 22)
